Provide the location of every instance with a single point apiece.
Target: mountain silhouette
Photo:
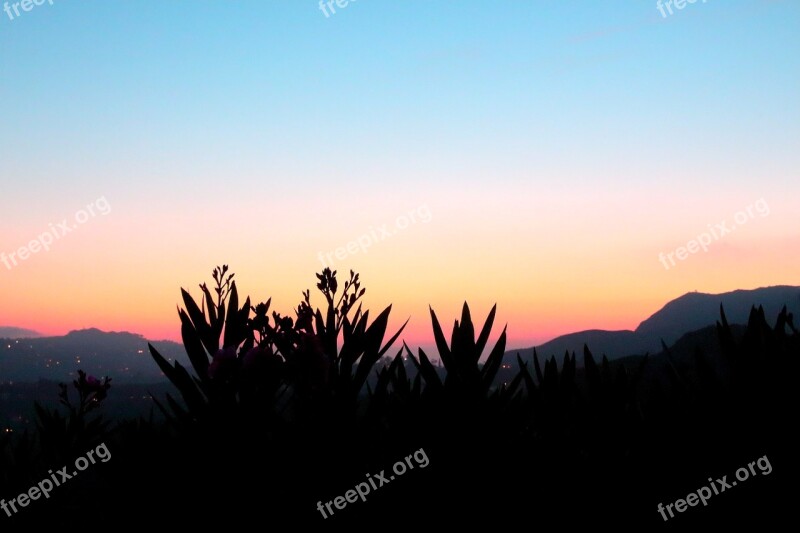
(691, 312)
(122, 356)
(10, 332)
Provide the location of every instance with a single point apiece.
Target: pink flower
(91, 387)
(314, 363)
(224, 364)
(259, 362)
(252, 358)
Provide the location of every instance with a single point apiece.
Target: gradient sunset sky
(550, 150)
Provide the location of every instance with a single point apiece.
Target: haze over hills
(122, 356)
(691, 312)
(7, 332)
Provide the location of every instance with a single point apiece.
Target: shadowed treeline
(279, 412)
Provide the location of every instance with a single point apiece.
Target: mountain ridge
(123, 356)
(12, 332)
(686, 313)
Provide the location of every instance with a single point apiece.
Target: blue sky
(216, 82)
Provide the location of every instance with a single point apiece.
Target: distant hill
(8, 332)
(122, 356)
(691, 312)
(695, 310)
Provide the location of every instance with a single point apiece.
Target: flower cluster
(91, 391)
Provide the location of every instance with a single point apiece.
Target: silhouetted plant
(465, 375)
(309, 401)
(279, 363)
(62, 436)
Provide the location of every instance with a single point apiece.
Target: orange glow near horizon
(549, 274)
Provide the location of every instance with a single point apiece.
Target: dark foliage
(278, 412)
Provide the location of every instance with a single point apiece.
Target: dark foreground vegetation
(278, 413)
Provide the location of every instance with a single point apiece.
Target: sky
(544, 156)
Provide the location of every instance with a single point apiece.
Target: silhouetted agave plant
(764, 364)
(461, 359)
(606, 389)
